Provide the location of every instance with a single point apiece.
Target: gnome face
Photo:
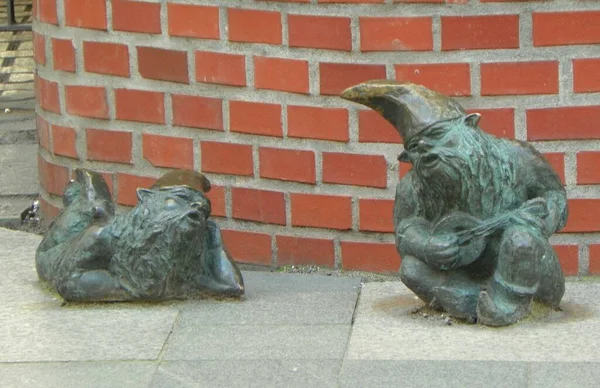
(438, 153)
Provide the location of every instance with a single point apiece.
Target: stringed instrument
(472, 232)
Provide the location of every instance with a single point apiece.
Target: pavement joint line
(163, 349)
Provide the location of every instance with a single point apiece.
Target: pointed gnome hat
(410, 108)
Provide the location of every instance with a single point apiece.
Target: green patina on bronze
(473, 216)
(165, 247)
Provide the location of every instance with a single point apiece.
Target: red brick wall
(247, 92)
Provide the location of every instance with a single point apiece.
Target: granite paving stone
(193, 341)
(248, 374)
(419, 373)
(77, 375)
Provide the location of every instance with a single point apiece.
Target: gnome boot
(516, 280)
(460, 302)
(504, 304)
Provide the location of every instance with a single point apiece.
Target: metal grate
(16, 15)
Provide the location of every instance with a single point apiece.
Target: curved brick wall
(246, 91)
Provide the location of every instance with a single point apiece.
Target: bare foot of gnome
(165, 247)
(473, 216)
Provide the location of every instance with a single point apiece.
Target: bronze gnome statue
(165, 247)
(473, 216)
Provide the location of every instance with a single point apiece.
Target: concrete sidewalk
(290, 330)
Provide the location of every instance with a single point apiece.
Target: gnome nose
(424, 146)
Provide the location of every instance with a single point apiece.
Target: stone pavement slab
(77, 375)
(191, 341)
(19, 169)
(248, 374)
(423, 373)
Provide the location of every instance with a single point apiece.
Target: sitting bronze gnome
(165, 247)
(473, 216)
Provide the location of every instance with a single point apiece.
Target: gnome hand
(442, 251)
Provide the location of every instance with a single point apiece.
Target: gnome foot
(458, 303)
(500, 308)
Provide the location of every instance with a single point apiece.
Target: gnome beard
(460, 172)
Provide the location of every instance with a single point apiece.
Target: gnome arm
(414, 233)
(544, 185)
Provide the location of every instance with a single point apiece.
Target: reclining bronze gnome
(473, 216)
(165, 247)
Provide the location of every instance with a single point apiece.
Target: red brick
(256, 118)
(336, 77)
(53, 178)
(63, 54)
(583, 216)
(47, 94)
(46, 11)
(588, 172)
(287, 75)
(140, 105)
(586, 75)
(194, 21)
(197, 112)
(403, 169)
(136, 16)
(318, 123)
(563, 123)
(43, 132)
(226, 158)
(396, 34)
(499, 122)
(376, 215)
(557, 161)
(164, 65)
(254, 26)
(444, 1)
(287, 165)
(480, 32)
(248, 247)
(304, 251)
(258, 205)
(513, 78)
(216, 195)
(352, 1)
(49, 211)
(128, 184)
(566, 28)
(322, 32)
(168, 151)
(372, 128)
(568, 257)
(86, 14)
(354, 169)
(321, 211)
(63, 141)
(372, 257)
(87, 101)
(452, 79)
(109, 146)
(39, 48)
(218, 68)
(594, 268)
(106, 58)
